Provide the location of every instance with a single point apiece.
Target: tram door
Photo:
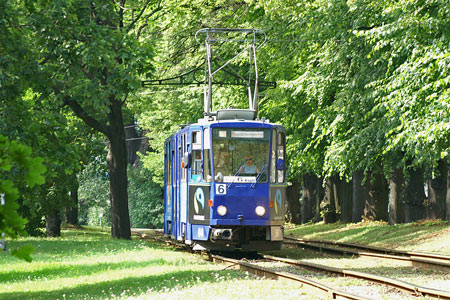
(278, 177)
(169, 189)
(176, 213)
(173, 188)
(183, 187)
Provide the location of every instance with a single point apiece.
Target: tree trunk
(293, 202)
(337, 201)
(53, 224)
(375, 207)
(359, 196)
(117, 167)
(437, 190)
(415, 196)
(328, 204)
(72, 211)
(397, 194)
(319, 194)
(343, 192)
(447, 211)
(308, 197)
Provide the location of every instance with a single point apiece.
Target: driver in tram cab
(249, 168)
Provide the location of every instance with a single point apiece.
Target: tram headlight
(260, 211)
(222, 210)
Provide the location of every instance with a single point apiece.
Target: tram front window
(241, 154)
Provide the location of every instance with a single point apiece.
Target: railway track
(408, 258)
(317, 287)
(398, 284)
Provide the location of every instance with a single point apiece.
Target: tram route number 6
(221, 189)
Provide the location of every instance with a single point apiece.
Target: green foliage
(145, 199)
(24, 252)
(16, 162)
(93, 194)
(178, 53)
(363, 85)
(369, 85)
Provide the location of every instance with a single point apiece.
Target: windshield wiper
(235, 175)
(259, 176)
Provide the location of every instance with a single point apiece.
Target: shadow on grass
(57, 249)
(74, 270)
(126, 287)
(392, 235)
(313, 229)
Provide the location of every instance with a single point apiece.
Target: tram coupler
(221, 234)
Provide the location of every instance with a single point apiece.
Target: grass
(90, 264)
(429, 236)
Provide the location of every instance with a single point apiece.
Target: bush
(94, 195)
(145, 199)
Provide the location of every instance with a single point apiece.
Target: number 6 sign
(221, 189)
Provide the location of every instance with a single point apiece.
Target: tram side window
(206, 156)
(281, 155)
(168, 165)
(196, 138)
(196, 171)
(196, 168)
(273, 158)
(183, 150)
(178, 161)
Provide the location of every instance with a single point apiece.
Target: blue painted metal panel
(200, 232)
(241, 199)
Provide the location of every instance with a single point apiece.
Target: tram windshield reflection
(240, 154)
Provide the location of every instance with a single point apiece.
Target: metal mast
(253, 38)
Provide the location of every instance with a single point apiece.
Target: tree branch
(122, 102)
(121, 10)
(80, 112)
(147, 17)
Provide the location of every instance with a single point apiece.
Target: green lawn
(429, 236)
(91, 265)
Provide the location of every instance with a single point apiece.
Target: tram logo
(279, 199)
(199, 200)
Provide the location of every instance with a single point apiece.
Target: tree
(397, 194)
(180, 53)
(89, 56)
(437, 190)
(294, 211)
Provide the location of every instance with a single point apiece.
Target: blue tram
(225, 183)
(225, 176)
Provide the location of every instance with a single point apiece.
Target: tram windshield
(241, 154)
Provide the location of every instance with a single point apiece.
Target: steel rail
(317, 286)
(444, 258)
(408, 258)
(268, 273)
(401, 285)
